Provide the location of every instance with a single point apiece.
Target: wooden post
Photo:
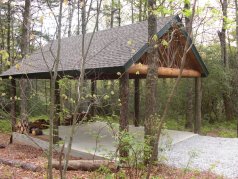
(124, 123)
(13, 106)
(24, 93)
(137, 101)
(57, 113)
(93, 92)
(198, 105)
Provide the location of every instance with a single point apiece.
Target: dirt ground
(31, 155)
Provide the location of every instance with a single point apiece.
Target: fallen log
(36, 131)
(86, 165)
(2, 146)
(19, 164)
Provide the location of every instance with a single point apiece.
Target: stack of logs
(22, 127)
(37, 126)
(34, 128)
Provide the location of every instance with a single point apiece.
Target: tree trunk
(236, 5)
(13, 106)
(119, 13)
(137, 102)
(132, 11)
(23, 85)
(78, 18)
(151, 84)
(137, 80)
(25, 42)
(13, 81)
(57, 113)
(124, 123)
(189, 110)
(53, 80)
(140, 10)
(93, 93)
(81, 81)
(46, 98)
(222, 36)
(71, 8)
(236, 10)
(198, 102)
(112, 13)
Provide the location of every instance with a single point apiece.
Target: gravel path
(220, 155)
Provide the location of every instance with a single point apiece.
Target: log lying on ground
(19, 164)
(2, 146)
(86, 165)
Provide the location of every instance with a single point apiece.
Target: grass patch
(174, 124)
(217, 129)
(5, 126)
(220, 129)
(34, 118)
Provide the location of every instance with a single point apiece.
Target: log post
(137, 102)
(93, 92)
(24, 94)
(198, 105)
(57, 113)
(13, 106)
(124, 123)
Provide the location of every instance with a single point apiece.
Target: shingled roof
(109, 52)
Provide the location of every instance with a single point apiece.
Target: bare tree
(54, 75)
(13, 81)
(222, 36)
(25, 42)
(189, 110)
(81, 79)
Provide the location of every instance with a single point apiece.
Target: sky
(206, 32)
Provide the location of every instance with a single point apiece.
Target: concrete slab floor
(99, 139)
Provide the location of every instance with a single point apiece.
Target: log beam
(163, 71)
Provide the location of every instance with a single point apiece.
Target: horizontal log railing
(163, 71)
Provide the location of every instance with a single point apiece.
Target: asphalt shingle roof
(109, 50)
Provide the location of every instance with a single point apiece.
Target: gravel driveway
(220, 155)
